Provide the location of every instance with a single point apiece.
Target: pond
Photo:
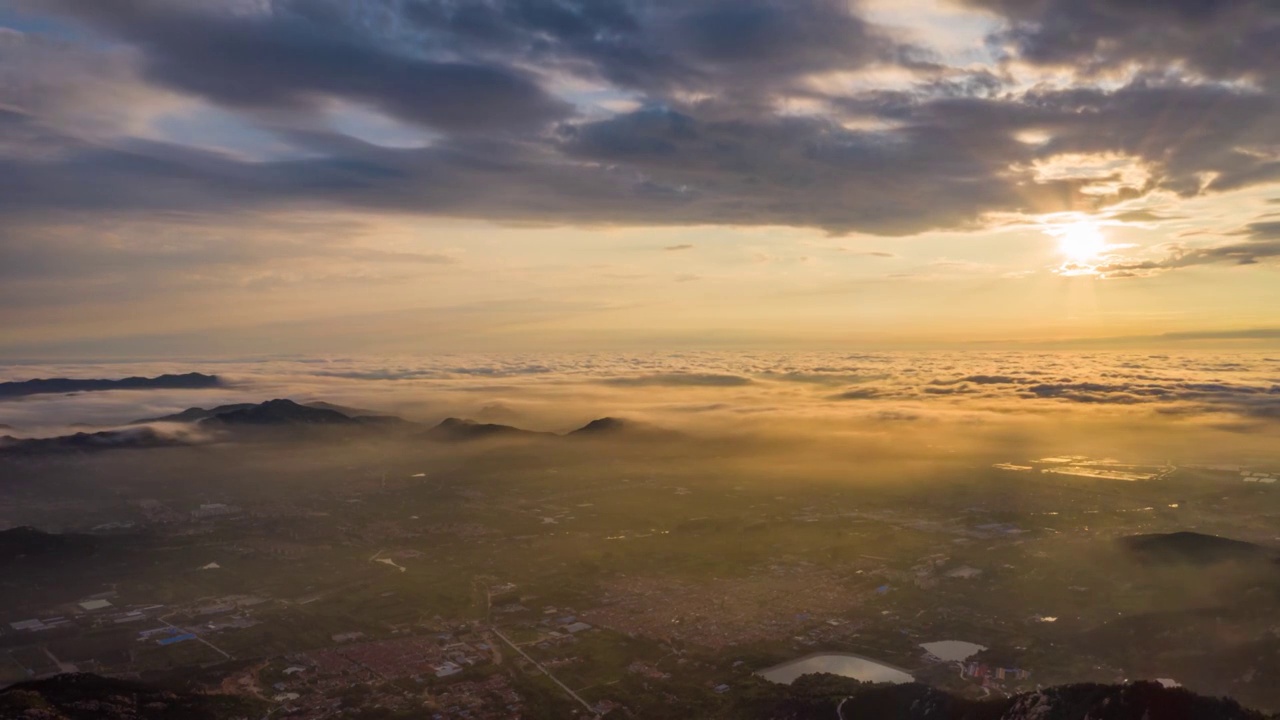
(953, 650)
(844, 664)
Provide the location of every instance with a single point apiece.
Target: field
(691, 568)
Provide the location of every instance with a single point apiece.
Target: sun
(1080, 242)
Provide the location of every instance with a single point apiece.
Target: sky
(227, 178)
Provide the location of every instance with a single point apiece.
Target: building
(213, 510)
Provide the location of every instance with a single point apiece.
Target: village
(503, 598)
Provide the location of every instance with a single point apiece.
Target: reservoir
(844, 664)
(953, 650)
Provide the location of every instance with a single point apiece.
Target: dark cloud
(1221, 38)
(299, 53)
(800, 171)
(682, 246)
(662, 166)
(742, 50)
(497, 86)
(1172, 396)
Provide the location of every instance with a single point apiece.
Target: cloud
(679, 380)
(823, 376)
(1162, 394)
(295, 54)
(708, 142)
(1220, 39)
(169, 155)
(1143, 216)
(858, 394)
(745, 49)
(1261, 242)
(1248, 334)
(57, 89)
(662, 166)
(986, 380)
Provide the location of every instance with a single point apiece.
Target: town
(442, 581)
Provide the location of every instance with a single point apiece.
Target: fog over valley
(639, 359)
(682, 518)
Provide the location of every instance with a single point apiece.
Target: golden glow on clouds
(1101, 174)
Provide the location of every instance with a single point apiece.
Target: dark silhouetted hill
(618, 428)
(603, 426)
(139, 437)
(813, 697)
(817, 697)
(345, 410)
(41, 386)
(194, 414)
(1192, 547)
(458, 430)
(280, 412)
(83, 696)
(28, 542)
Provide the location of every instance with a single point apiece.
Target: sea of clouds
(1237, 392)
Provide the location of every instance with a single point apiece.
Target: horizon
(640, 359)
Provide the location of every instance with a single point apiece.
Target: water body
(844, 664)
(953, 650)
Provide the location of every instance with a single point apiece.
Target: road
(217, 649)
(546, 672)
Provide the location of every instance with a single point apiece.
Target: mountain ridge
(135, 437)
(80, 696)
(285, 413)
(43, 386)
(1192, 547)
(823, 696)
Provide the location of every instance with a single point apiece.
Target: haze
(481, 359)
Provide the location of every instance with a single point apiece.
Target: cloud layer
(713, 111)
(716, 392)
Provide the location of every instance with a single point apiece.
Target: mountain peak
(604, 425)
(279, 411)
(454, 429)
